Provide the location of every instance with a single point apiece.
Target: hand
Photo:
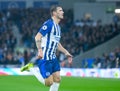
(69, 57)
(40, 54)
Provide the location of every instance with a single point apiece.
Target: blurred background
(90, 31)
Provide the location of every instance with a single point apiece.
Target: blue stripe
(54, 49)
(54, 30)
(48, 41)
(51, 49)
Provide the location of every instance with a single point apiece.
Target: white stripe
(44, 44)
(58, 30)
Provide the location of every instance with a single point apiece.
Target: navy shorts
(47, 67)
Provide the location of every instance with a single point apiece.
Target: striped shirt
(51, 36)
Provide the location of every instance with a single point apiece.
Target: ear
(54, 13)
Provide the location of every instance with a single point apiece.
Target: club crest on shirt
(44, 27)
(47, 73)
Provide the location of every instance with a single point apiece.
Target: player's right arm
(46, 28)
(38, 38)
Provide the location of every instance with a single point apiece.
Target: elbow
(36, 37)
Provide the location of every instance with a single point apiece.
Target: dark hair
(53, 8)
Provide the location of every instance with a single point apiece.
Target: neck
(56, 20)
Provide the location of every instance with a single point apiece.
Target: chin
(62, 17)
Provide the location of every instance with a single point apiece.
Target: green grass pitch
(30, 83)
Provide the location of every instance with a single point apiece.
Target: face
(59, 13)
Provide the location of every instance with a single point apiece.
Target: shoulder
(46, 27)
(48, 22)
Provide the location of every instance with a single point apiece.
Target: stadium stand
(78, 37)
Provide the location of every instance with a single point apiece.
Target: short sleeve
(46, 28)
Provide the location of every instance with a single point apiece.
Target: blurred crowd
(107, 60)
(7, 39)
(77, 36)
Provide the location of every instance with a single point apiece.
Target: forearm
(38, 40)
(38, 44)
(62, 49)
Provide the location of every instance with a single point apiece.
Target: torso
(50, 41)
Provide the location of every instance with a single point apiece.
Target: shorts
(48, 67)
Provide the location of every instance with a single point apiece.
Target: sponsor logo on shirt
(57, 38)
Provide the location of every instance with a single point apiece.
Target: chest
(56, 33)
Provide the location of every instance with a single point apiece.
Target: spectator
(78, 37)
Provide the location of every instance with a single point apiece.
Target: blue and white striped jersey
(51, 36)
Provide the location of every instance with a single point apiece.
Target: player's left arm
(63, 50)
